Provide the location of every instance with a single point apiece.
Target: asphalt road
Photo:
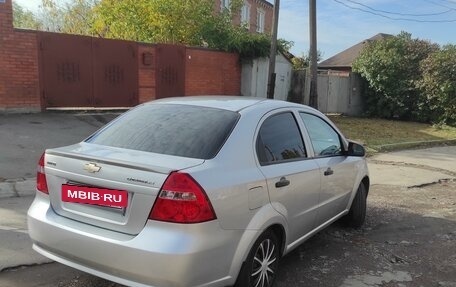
(24, 137)
(409, 239)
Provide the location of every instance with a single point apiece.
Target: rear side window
(279, 139)
(181, 130)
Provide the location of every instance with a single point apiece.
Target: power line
(442, 5)
(400, 14)
(452, 2)
(392, 18)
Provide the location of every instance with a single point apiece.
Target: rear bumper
(162, 254)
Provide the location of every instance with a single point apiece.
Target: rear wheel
(260, 268)
(357, 214)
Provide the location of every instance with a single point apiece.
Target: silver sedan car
(197, 191)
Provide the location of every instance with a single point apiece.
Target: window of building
(245, 14)
(260, 21)
(225, 4)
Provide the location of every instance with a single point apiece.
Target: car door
(292, 178)
(337, 171)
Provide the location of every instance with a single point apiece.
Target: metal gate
(170, 71)
(79, 71)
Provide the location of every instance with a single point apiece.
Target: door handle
(329, 171)
(282, 182)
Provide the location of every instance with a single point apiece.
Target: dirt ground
(409, 239)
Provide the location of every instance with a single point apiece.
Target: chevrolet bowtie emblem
(92, 167)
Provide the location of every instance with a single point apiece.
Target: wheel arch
(267, 218)
(279, 231)
(366, 182)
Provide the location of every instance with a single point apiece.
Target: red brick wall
(19, 81)
(209, 72)
(6, 16)
(146, 73)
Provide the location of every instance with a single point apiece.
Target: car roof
(230, 103)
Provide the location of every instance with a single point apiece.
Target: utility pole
(273, 53)
(313, 98)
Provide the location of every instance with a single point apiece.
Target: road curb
(17, 187)
(412, 145)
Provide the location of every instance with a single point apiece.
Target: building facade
(256, 15)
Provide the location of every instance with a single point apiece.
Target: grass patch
(387, 135)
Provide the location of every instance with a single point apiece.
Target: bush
(438, 84)
(391, 68)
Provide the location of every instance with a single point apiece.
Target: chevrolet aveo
(197, 191)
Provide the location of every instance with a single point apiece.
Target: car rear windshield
(180, 130)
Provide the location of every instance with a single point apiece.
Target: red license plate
(94, 196)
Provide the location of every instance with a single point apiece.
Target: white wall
(254, 78)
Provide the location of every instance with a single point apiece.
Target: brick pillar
(6, 17)
(6, 29)
(19, 79)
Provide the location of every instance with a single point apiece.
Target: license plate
(94, 196)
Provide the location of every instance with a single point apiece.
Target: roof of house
(346, 57)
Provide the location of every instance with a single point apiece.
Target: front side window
(279, 140)
(260, 20)
(325, 140)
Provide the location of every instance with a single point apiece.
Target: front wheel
(260, 268)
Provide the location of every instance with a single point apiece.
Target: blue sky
(340, 27)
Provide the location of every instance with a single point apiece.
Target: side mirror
(356, 149)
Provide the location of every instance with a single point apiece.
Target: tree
(25, 19)
(391, 68)
(75, 17)
(79, 17)
(159, 21)
(189, 22)
(303, 62)
(439, 84)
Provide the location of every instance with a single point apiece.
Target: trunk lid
(141, 174)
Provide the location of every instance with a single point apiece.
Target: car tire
(357, 214)
(261, 265)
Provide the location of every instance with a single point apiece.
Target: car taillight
(41, 183)
(182, 200)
